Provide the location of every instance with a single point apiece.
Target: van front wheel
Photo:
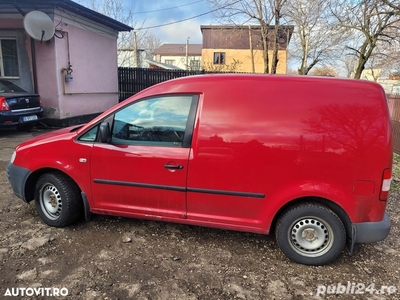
(310, 234)
(58, 200)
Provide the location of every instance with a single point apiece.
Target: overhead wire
(161, 25)
(168, 8)
(183, 20)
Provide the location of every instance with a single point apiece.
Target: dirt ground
(120, 258)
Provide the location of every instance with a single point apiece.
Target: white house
(183, 56)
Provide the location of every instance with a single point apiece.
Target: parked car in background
(307, 159)
(18, 108)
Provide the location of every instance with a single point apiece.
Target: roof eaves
(74, 8)
(91, 14)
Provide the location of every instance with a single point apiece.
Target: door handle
(173, 167)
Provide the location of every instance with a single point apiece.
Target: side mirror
(105, 134)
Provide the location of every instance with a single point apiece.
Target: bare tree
(349, 62)
(234, 66)
(384, 60)
(370, 22)
(129, 43)
(395, 4)
(316, 39)
(324, 71)
(268, 14)
(149, 42)
(389, 52)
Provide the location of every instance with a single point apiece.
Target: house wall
(180, 61)
(243, 57)
(236, 42)
(391, 87)
(93, 57)
(239, 37)
(91, 49)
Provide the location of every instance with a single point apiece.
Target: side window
(158, 121)
(90, 135)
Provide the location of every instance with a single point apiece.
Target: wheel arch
(30, 184)
(339, 211)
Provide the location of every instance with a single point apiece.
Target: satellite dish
(39, 26)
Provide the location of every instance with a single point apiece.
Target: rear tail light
(386, 180)
(4, 104)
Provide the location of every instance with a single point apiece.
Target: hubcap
(311, 236)
(50, 202)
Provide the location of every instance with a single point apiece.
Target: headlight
(13, 157)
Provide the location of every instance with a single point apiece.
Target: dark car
(18, 108)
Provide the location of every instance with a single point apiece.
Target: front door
(142, 170)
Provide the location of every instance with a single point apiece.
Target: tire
(58, 200)
(310, 234)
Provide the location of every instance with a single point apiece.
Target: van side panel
(260, 143)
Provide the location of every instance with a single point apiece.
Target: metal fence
(394, 109)
(133, 80)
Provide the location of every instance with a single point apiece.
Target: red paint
(283, 137)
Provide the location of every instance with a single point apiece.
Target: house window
(219, 58)
(170, 62)
(8, 58)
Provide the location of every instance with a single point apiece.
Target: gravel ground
(120, 258)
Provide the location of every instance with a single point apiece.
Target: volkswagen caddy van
(306, 159)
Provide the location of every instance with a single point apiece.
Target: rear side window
(157, 121)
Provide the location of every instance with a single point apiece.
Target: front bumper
(369, 232)
(17, 177)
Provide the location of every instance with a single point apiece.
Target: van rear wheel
(310, 234)
(58, 200)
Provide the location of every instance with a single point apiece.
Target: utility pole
(251, 49)
(187, 51)
(135, 51)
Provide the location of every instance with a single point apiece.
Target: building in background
(183, 56)
(127, 58)
(239, 48)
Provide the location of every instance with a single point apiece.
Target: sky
(161, 12)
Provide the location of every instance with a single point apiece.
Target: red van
(308, 159)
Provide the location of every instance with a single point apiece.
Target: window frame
(2, 74)
(170, 62)
(219, 58)
(187, 139)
